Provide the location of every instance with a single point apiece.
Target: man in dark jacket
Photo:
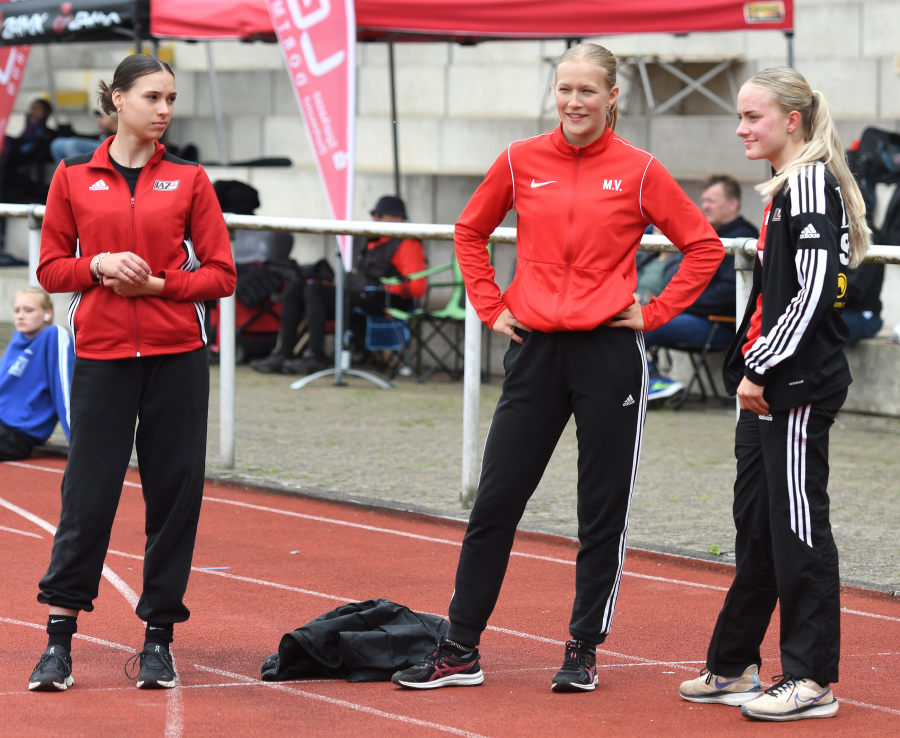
(721, 204)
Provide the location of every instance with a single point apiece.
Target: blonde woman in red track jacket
(138, 237)
(583, 197)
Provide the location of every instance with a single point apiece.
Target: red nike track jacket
(173, 222)
(581, 213)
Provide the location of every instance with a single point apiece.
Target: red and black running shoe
(443, 668)
(579, 670)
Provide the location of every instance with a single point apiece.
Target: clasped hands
(128, 275)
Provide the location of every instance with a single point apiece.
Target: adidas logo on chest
(99, 185)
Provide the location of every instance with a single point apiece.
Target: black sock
(60, 629)
(161, 634)
(588, 647)
(458, 648)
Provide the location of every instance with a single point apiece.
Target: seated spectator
(374, 258)
(24, 157)
(35, 377)
(66, 146)
(862, 303)
(721, 204)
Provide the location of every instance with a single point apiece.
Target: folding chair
(446, 323)
(698, 355)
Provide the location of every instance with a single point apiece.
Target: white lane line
(56, 471)
(431, 539)
(174, 703)
(342, 703)
(250, 580)
(21, 532)
(90, 639)
(221, 685)
(175, 706)
(843, 701)
(869, 614)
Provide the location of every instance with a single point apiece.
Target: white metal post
(743, 286)
(34, 246)
(471, 405)
(226, 382)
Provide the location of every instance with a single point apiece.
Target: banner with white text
(12, 68)
(318, 40)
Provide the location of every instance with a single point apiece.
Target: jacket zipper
(562, 298)
(137, 329)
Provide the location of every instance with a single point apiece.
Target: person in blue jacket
(35, 376)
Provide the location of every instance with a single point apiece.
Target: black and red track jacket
(173, 222)
(581, 213)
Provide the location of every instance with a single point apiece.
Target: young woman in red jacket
(138, 237)
(583, 197)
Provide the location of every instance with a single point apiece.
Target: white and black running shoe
(156, 668)
(443, 668)
(53, 672)
(579, 670)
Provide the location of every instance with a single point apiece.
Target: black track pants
(601, 377)
(169, 398)
(784, 548)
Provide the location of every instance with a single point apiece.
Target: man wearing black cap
(374, 258)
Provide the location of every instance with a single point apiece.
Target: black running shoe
(53, 672)
(443, 668)
(579, 670)
(157, 670)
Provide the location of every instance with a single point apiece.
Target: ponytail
(792, 92)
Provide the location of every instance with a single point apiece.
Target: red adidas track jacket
(173, 222)
(581, 214)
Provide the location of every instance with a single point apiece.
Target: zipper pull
(132, 202)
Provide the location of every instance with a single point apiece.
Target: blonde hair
(42, 297)
(792, 92)
(600, 57)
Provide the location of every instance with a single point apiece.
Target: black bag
(257, 283)
(360, 642)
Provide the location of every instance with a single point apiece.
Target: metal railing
(743, 249)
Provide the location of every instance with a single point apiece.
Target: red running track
(292, 559)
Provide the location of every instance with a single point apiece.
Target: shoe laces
(784, 684)
(59, 663)
(135, 663)
(707, 673)
(577, 654)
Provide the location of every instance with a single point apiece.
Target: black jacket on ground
(718, 297)
(361, 642)
(801, 275)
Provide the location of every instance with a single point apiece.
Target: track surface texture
(289, 560)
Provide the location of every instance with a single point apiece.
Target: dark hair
(729, 184)
(127, 73)
(48, 108)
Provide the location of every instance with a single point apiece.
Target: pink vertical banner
(318, 40)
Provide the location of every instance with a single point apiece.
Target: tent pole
(154, 46)
(216, 106)
(789, 35)
(393, 74)
(51, 79)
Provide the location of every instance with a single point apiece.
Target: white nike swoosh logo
(56, 621)
(541, 184)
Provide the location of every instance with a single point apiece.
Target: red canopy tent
(470, 21)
